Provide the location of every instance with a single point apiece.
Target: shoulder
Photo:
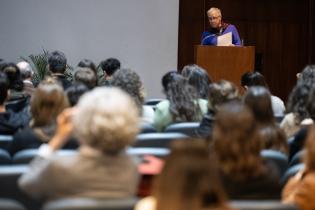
(163, 104)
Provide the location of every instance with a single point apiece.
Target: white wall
(142, 34)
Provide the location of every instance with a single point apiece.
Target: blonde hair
(47, 102)
(214, 9)
(107, 119)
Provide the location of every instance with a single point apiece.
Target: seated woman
(300, 188)
(237, 145)
(258, 99)
(182, 104)
(47, 102)
(130, 82)
(105, 121)
(189, 181)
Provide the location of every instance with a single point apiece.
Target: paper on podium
(225, 39)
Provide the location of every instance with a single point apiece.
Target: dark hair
(4, 87)
(14, 76)
(85, 76)
(198, 78)
(183, 100)
(75, 91)
(308, 74)
(57, 62)
(167, 78)
(87, 63)
(130, 82)
(253, 79)
(110, 65)
(298, 99)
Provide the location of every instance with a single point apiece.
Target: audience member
(167, 78)
(27, 75)
(47, 102)
(130, 82)
(105, 121)
(237, 145)
(85, 76)
(197, 77)
(300, 189)
(87, 63)
(258, 99)
(182, 104)
(109, 67)
(219, 93)
(189, 181)
(74, 93)
(9, 121)
(57, 64)
(257, 79)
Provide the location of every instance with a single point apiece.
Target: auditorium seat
(261, 205)
(91, 204)
(279, 159)
(9, 204)
(187, 128)
(153, 101)
(291, 172)
(5, 158)
(147, 128)
(297, 158)
(5, 140)
(160, 140)
(25, 156)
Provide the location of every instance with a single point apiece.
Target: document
(225, 39)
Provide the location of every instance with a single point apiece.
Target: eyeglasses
(214, 18)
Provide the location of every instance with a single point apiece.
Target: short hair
(110, 65)
(47, 102)
(4, 87)
(212, 9)
(75, 91)
(130, 82)
(26, 69)
(87, 63)
(106, 119)
(197, 77)
(253, 79)
(57, 62)
(85, 76)
(197, 184)
(237, 143)
(14, 76)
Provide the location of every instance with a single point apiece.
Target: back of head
(26, 69)
(258, 99)
(253, 79)
(85, 76)
(167, 78)
(222, 92)
(87, 63)
(237, 143)
(47, 102)
(14, 76)
(183, 97)
(308, 74)
(57, 62)
(110, 65)
(106, 119)
(4, 87)
(130, 82)
(75, 91)
(198, 78)
(196, 185)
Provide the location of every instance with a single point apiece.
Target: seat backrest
(5, 141)
(261, 205)
(5, 158)
(291, 172)
(91, 204)
(147, 128)
(26, 156)
(187, 128)
(9, 204)
(153, 101)
(297, 158)
(279, 159)
(160, 140)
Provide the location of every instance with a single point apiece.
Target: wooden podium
(227, 63)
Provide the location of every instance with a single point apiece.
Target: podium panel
(227, 63)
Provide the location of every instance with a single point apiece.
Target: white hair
(26, 69)
(107, 119)
(214, 9)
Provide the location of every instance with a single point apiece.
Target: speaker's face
(214, 19)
